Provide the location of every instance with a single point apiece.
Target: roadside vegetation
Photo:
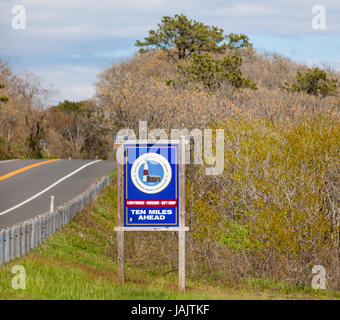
(79, 262)
(274, 211)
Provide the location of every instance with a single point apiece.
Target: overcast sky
(68, 42)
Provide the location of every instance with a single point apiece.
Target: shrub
(314, 82)
(274, 210)
(212, 73)
(3, 98)
(236, 236)
(272, 192)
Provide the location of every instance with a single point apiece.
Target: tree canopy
(180, 37)
(81, 125)
(3, 98)
(70, 106)
(238, 41)
(212, 73)
(315, 82)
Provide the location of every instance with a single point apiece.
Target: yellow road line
(8, 175)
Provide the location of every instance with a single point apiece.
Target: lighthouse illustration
(148, 177)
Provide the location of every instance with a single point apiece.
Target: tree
(71, 107)
(36, 124)
(5, 75)
(180, 37)
(212, 73)
(238, 41)
(314, 82)
(81, 124)
(31, 98)
(7, 118)
(3, 98)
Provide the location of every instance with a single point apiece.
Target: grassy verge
(75, 263)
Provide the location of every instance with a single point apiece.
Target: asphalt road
(26, 186)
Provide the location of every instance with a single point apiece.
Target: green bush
(276, 190)
(236, 235)
(212, 73)
(314, 82)
(3, 98)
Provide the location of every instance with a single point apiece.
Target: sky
(69, 42)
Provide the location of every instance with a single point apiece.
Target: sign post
(181, 233)
(120, 220)
(151, 193)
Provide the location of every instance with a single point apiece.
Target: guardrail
(16, 240)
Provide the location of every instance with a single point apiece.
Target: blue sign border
(171, 152)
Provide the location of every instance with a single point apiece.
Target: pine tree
(212, 73)
(314, 82)
(180, 37)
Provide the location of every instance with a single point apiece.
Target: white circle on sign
(151, 173)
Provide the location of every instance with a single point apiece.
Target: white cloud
(69, 82)
(131, 18)
(69, 42)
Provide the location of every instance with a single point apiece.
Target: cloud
(69, 41)
(131, 18)
(325, 64)
(69, 82)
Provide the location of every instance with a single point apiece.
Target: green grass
(74, 264)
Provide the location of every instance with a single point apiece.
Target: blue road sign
(151, 184)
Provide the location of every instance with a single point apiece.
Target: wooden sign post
(120, 220)
(151, 193)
